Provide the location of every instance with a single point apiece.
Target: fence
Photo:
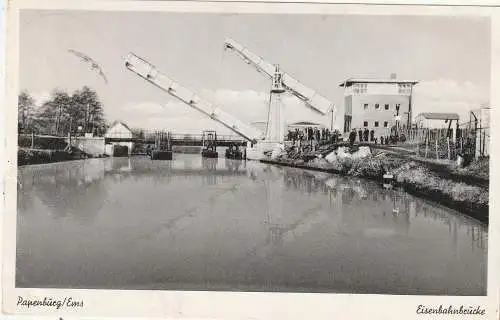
(479, 133)
(35, 141)
(468, 140)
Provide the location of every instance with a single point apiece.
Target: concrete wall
(91, 145)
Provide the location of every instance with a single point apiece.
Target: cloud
(41, 97)
(445, 95)
(252, 106)
(441, 95)
(248, 106)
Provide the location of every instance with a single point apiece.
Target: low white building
(118, 134)
(438, 124)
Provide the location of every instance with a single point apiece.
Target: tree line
(80, 112)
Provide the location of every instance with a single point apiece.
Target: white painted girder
(149, 72)
(312, 98)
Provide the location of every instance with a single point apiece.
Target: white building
(377, 104)
(118, 134)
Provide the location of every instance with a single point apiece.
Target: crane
(149, 72)
(281, 82)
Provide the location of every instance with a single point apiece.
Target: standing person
(365, 135)
(352, 136)
(372, 135)
(360, 133)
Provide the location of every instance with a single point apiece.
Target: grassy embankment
(46, 150)
(463, 189)
(26, 156)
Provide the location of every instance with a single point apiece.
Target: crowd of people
(312, 134)
(369, 136)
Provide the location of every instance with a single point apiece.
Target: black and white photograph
(253, 152)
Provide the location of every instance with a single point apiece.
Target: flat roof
(305, 123)
(352, 81)
(439, 116)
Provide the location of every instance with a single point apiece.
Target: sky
(449, 56)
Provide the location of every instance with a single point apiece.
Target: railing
(199, 137)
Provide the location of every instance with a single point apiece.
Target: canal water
(217, 224)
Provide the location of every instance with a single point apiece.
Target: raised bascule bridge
(257, 142)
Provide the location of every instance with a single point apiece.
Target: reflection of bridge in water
(229, 222)
(361, 207)
(76, 188)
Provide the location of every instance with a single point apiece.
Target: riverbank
(26, 156)
(447, 186)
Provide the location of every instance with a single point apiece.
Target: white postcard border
(234, 304)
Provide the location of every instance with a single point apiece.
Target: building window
(365, 124)
(386, 107)
(404, 88)
(376, 124)
(377, 106)
(385, 124)
(360, 88)
(365, 106)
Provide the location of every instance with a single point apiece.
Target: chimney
(393, 76)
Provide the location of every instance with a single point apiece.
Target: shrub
(34, 156)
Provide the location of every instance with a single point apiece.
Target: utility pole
(410, 107)
(397, 119)
(331, 120)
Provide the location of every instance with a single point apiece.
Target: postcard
(239, 160)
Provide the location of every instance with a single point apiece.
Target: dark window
(386, 107)
(377, 106)
(365, 106)
(385, 124)
(376, 123)
(365, 124)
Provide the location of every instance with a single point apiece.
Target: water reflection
(246, 222)
(391, 208)
(73, 189)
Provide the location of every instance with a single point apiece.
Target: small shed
(118, 134)
(438, 120)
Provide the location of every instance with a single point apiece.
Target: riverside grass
(417, 178)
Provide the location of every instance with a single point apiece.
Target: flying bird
(94, 66)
